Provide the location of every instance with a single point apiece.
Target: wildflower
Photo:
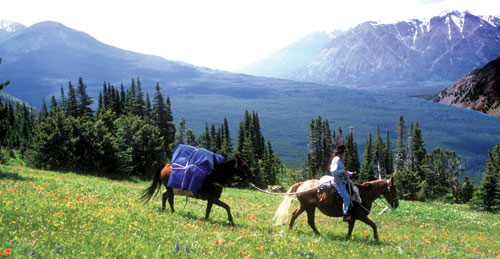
(7, 251)
(177, 247)
(187, 249)
(301, 253)
(310, 253)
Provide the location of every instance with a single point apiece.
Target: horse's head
(242, 168)
(391, 194)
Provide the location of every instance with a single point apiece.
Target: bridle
(394, 199)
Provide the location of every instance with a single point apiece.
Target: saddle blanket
(190, 167)
(326, 183)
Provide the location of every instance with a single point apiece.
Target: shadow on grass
(14, 176)
(180, 210)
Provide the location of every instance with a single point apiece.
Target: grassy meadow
(46, 214)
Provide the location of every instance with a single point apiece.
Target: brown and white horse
(309, 201)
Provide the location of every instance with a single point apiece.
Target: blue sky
(222, 34)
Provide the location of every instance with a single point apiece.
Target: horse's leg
(310, 218)
(370, 223)
(228, 209)
(351, 227)
(170, 196)
(164, 200)
(295, 214)
(209, 209)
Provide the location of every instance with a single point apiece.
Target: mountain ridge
(412, 57)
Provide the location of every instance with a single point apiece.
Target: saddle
(328, 194)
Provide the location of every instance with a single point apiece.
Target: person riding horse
(341, 176)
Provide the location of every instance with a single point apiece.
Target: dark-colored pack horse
(198, 173)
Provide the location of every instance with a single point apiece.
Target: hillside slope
(478, 90)
(45, 214)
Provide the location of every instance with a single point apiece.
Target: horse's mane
(372, 187)
(223, 172)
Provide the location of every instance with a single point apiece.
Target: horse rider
(340, 178)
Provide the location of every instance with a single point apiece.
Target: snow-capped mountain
(9, 28)
(408, 57)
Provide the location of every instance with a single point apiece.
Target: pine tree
(441, 171)
(3, 84)
(378, 157)
(351, 158)
(72, 103)
(388, 157)
(226, 145)
(367, 167)
(181, 133)
(466, 190)
(400, 149)
(418, 145)
(191, 138)
(163, 119)
(83, 100)
(140, 106)
(487, 197)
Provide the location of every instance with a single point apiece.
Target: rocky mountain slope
(478, 90)
(414, 57)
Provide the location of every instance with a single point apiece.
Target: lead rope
(285, 194)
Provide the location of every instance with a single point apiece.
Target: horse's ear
(237, 159)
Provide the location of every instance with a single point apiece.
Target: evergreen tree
(418, 145)
(378, 157)
(389, 165)
(139, 146)
(163, 119)
(441, 171)
(466, 190)
(64, 104)
(226, 144)
(320, 148)
(400, 150)
(191, 138)
(487, 197)
(140, 106)
(3, 84)
(83, 100)
(181, 132)
(72, 103)
(351, 158)
(367, 168)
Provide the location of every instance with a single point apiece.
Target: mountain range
(44, 57)
(478, 90)
(414, 57)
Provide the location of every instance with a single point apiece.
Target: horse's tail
(155, 186)
(281, 215)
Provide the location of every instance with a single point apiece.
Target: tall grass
(49, 214)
